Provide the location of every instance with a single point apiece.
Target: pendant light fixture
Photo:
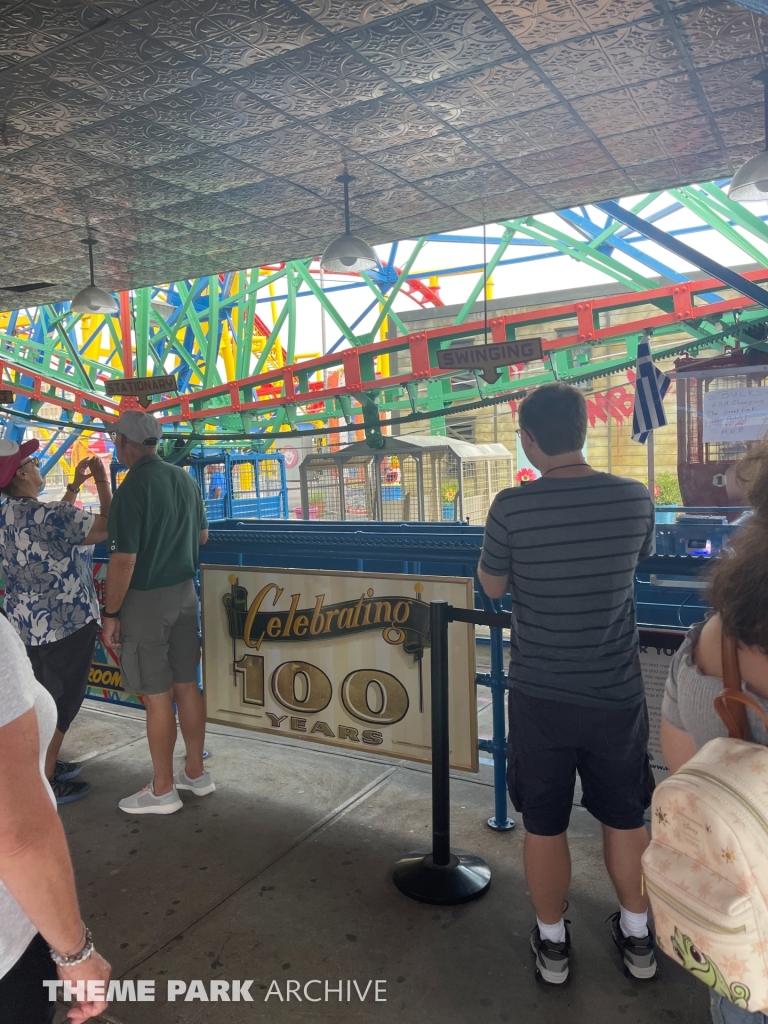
(348, 253)
(750, 183)
(92, 299)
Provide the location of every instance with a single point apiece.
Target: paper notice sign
(736, 414)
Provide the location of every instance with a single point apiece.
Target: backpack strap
(735, 715)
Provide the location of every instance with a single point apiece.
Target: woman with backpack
(739, 598)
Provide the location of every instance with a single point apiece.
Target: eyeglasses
(34, 461)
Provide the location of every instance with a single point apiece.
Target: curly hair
(738, 580)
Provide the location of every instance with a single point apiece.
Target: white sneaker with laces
(145, 802)
(200, 787)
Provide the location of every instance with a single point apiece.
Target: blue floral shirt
(49, 591)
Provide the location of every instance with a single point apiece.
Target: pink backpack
(706, 869)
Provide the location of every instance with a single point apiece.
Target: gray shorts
(161, 644)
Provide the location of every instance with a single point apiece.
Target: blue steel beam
(666, 241)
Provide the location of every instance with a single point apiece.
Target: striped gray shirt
(570, 547)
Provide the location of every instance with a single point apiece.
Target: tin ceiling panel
(195, 136)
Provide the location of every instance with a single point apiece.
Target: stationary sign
(657, 649)
(141, 387)
(735, 414)
(6, 397)
(487, 358)
(337, 658)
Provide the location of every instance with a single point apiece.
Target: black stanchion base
(465, 878)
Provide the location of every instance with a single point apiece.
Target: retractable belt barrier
(443, 875)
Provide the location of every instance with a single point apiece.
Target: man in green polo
(156, 526)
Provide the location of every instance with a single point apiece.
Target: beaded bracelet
(76, 958)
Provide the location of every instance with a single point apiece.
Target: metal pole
(651, 468)
(441, 786)
(501, 821)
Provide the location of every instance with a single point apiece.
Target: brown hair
(738, 580)
(555, 415)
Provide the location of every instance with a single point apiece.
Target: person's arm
(677, 745)
(98, 531)
(495, 559)
(35, 865)
(119, 574)
(203, 537)
(216, 493)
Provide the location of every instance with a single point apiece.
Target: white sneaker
(145, 802)
(200, 787)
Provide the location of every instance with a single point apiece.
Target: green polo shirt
(157, 514)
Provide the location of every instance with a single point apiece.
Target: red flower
(525, 475)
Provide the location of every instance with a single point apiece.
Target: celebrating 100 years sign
(337, 658)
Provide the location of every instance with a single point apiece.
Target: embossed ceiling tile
(421, 159)
(679, 139)
(520, 203)
(313, 80)
(369, 177)
(270, 198)
(473, 181)
(560, 164)
(652, 176)
(415, 227)
(118, 65)
(207, 172)
(130, 140)
(216, 114)
(133, 191)
(378, 124)
(310, 223)
(528, 133)
(384, 205)
(590, 188)
(432, 41)
(41, 107)
(57, 207)
(14, 140)
(226, 37)
(742, 126)
(542, 22)
(139, 228)
(731, 84)
(486, 95)
(56, 165)
(35, 26)
(295, 148)
(209, 211)
(720, 32)
(634, 53)
(703, 166)
(639, 106)
(338, 15)
(23, 226)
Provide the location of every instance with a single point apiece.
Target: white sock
(552, 932)
(634, 925)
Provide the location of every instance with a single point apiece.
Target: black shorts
(62, 667)
(549, 741)
(23, 999)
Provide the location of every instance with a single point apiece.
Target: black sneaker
(68, 792)
(638, 955)
(551, 957)
(66, 770)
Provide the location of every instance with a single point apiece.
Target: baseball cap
(139, 427)
(12, 455)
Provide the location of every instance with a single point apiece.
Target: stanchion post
(442, 875)
(441, 782)
(501, 821)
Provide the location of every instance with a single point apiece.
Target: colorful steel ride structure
(231, 339)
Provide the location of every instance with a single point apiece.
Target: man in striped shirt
(566, 547)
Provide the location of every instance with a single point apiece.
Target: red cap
(11, 455)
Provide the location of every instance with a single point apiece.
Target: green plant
(667, 489)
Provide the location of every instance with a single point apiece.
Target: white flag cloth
(650, 387)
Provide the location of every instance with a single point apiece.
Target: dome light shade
(348, 254)
(750, 183)
(93, 300)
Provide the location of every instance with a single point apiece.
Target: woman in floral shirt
(50, 599)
